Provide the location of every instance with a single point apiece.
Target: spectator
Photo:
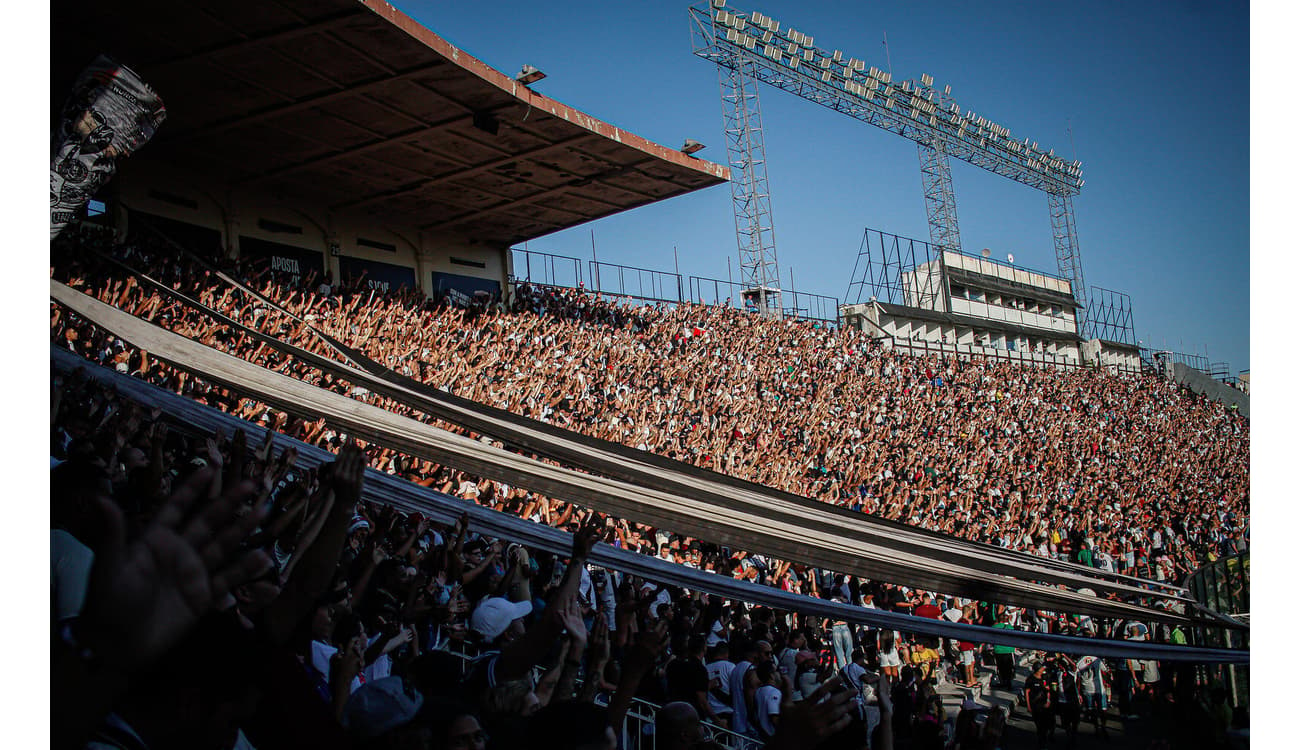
(677, 727)
(1056, 462)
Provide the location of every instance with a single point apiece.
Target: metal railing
(651, 285)
(638, 727)
(1224, 586)
(925, 348)
(638, 730)
(795, 304)
(546, 269)
(637, 283)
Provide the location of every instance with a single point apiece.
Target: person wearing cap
(856, 675)
(1038, 698)
(512, 651)
(808, 674)
(381, 709)
(497, 620)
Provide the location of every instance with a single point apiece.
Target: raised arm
(519, 656)
(319, 561)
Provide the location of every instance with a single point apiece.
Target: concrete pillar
(424, 262)
(232, 233)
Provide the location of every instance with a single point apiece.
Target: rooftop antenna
(985, 253)
(1011, 258)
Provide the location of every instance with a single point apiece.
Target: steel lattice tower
(1068, 263)
(917, 110)
(940, 201)
(750, 197)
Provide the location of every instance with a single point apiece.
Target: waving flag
(109, 114)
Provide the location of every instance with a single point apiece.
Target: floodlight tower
(788, 60)
(936, 181)
(751, 200)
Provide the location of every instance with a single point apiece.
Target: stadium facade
(965, 304)
(342, 137)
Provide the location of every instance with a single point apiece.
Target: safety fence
(926, 348)
(668, 287)
(1224, 586)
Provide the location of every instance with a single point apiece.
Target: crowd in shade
(213, 593)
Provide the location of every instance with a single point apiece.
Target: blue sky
(1156, 95)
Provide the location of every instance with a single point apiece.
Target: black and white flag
(109, 114)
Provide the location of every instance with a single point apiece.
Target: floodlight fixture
(529, 75)
(691, 146)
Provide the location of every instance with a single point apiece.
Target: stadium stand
(234, 567)
(91, 272)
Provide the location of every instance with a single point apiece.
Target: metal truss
(1109, 317)
(788, 60)
(1194, 361)
(1069, 264)
(940, 201)
(885, 260)
(751, 198)
(793, 64)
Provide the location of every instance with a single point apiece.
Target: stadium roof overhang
(352, 105)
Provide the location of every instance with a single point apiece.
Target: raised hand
(808, 722)
(143, 596)
(212, 450)
(585, 539)
(348, 475)
(599, 641)
(650, 644)
(569, 615)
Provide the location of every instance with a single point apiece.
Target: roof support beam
(286, 34)
(528, 199)
(301, 104)
(360, 150)
(459, 174)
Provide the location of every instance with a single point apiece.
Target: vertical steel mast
(751, 48)
(940, 201)
(1068, 262)
(751, 199)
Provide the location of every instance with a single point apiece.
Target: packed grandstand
(233, 569)
(581, 353)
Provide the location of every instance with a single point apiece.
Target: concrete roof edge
(533, 99)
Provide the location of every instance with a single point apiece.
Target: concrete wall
(961, 339)
(990, 267)
(1098, 353)
(922, 347)
(1063, 323)
(1199, 382)
(924, 287)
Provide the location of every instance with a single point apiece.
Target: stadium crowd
(365, 608)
